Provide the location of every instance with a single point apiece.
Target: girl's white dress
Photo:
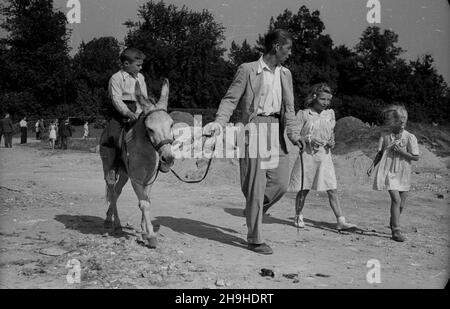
(319, 168)
(86, 131)
(52, 134)
(394, 170)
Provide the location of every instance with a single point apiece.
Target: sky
(423, 26)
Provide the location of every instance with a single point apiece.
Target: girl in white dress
(52, 135)
(86, 130)
(317, 126)
(392, 164)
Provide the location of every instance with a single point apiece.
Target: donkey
(145, 149)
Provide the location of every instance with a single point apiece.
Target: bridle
(169, 142)
(163, 142)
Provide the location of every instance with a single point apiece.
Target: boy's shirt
(122, 88)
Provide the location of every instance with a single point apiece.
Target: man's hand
(132, 116)
(212, 129)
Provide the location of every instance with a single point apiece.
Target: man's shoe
(261, 248)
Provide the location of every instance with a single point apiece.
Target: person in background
(6, 127)
(23, 130)
(1, 131)
(52, 135)
(41, 128)
(57, 123)
(37, 129)
(65, 131)
(86, 130)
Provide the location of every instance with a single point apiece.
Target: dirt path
(53, 204)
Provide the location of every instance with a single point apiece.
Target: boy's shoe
(342, 225)
(261, 248)
(298, 222)
(397, 235)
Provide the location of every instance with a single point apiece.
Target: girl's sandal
(298, 221)
(397, 235)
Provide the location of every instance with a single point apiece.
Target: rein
(204, 176)
(170, 141)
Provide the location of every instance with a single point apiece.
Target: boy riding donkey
(125, 107)
(136, 142)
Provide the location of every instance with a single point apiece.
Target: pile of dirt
(354, 139)
(354, 135)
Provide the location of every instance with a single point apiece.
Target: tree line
(40, 78)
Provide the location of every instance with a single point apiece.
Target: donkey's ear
(164, 99)
(147, 105)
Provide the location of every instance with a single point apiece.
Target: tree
(93, 65)
(312, 54)
(184, 46)
(428, 91)
(381, 71)
(240, 54)
(36, 52)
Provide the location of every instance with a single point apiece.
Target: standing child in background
(396, 151)
(65, 131)
(52, 135)
(86, 130)
(37, 128)
(23, 130)
(317, 127)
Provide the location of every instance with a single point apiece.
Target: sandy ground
(52, 210)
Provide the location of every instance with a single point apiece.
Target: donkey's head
(159, 127)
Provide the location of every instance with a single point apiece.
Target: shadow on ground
(326, 226)
(201, 230)
(89, 225)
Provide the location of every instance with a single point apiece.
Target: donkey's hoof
(118, 230)
(108, 224)
(152, 242)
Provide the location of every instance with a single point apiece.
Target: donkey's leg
(142, 193)
(111, 197)
(107, 155)
(121, 182)
(109, 201)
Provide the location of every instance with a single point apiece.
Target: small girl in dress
(86, 130)
(317, 126)
(392, 164)
(52, 135)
